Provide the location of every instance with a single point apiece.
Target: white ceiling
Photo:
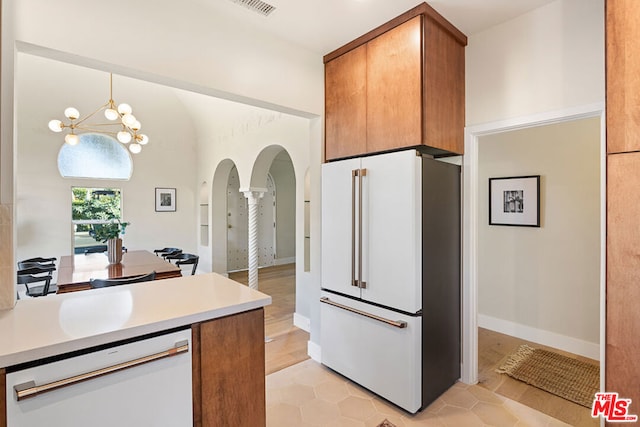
(324, 25)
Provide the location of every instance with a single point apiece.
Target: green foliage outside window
(101, 204)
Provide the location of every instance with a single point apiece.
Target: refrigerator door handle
(361, 283)
(395, 323)
(354, 173)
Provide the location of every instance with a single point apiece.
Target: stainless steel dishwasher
(146, 382)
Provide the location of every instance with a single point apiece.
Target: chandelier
(122, 123)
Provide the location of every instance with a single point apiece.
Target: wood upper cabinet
(398, 86)
(623, 192)
(623, 76)
(346, 104)
(394, 88)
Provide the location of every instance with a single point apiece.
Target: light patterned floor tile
(294, 401)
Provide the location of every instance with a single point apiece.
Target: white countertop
(57, 324)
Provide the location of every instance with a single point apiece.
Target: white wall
(549, 59)
(241, 140)
(283, 176)
(545, 279)
(43, 203)
(186, 42)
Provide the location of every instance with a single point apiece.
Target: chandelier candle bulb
(124, 137)
(56, 125)
(128, 119)
(111, 114)
(71, 139)
(124, 109)
(71, 113)
(135, 148)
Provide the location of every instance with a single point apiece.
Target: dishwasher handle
(30, 389)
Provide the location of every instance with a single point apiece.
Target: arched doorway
(237, 225)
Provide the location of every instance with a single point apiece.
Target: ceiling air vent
(257, 6)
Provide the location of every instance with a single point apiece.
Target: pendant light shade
(71, 139)
(111, 114)
(124, 137)
(71, 113)
(124, 109)
(55, 125)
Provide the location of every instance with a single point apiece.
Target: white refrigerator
(390, 300)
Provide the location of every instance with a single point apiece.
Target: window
(91, 207)
(95, 156)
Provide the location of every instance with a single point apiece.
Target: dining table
(76, 271)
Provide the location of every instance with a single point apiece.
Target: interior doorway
(238, 225)
(539, 286)
(471, 224)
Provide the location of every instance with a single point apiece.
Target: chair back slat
(103, 283)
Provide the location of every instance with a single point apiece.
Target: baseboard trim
(540, 336)
(282, 261)
(299, 321)
(314, 351)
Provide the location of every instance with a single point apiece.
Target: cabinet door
(394, 88)
(231, 371)
(623, 79)
(623, 275)
(345, 105)
(443, 105)
(339, 219)
(391, 217)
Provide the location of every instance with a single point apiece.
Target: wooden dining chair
(98, 249)
(23, 265)
(164, 252)
(185, 259)
(46, 263)
(29, 276)
(41, 260)
(103, 283)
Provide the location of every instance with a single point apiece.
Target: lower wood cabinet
(623, 276)
(229, 371)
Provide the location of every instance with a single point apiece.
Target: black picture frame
(515, 201)
(165, 199)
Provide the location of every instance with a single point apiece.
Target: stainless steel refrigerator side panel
(441, 277)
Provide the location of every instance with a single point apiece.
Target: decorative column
(253, 197)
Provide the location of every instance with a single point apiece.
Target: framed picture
(165, 199)
(515, 201)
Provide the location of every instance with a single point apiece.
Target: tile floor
(308, 394)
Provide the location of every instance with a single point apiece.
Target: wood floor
(493, 349)
(286, 344)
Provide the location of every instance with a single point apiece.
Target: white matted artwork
(515, 201)
(165, 199)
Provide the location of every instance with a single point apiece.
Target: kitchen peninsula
(223, 322)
